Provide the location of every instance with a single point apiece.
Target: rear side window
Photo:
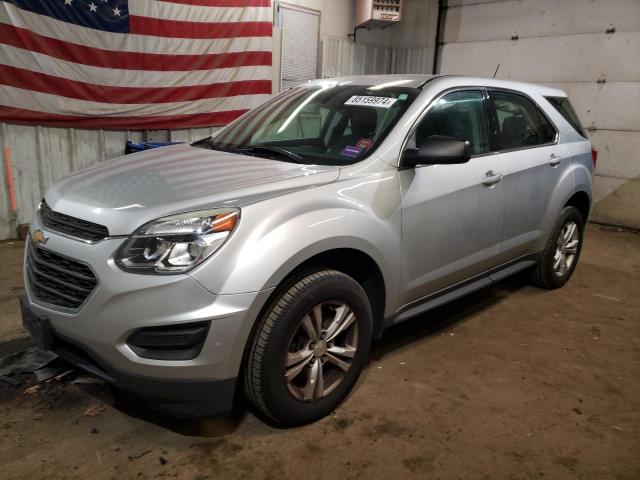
(521, 124)
(563, 105)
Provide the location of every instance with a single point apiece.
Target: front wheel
(309, 348)
(560, 256)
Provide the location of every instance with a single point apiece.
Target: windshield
(323, 125)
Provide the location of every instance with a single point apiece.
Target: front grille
(70, 225)
(56, 279)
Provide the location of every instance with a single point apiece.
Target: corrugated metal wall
(341, 57)
(412, 60)
(41, 155)
(565, 44)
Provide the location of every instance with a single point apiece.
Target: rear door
(532, 164)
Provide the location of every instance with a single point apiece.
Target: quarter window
(563, 105)
(521, 124)
(460, 115)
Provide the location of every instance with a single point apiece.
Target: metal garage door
(590, 49)
(300, 29)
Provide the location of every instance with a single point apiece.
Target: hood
(127, 192)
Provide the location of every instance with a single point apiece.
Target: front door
(452, 214)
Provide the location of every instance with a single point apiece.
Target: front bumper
(94, 337)
(182, 397)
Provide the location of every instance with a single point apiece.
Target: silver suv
(266, 258)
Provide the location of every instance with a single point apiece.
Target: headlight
(176, 243)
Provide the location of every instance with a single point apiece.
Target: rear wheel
(309, 348)
(560, 255)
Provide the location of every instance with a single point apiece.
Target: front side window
(325, 125)
(521, 124)
(459, 115)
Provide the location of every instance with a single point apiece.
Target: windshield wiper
(294, 157)
(210, 144)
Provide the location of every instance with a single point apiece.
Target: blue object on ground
(133, 147)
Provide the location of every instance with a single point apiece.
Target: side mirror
(438, 150)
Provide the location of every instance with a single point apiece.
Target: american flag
(133, 64)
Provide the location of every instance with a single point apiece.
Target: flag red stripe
(179, 29)
(72, 52)
(40, 82)
(223, 3)
(30, 117)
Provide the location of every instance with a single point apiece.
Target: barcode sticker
(371, 101)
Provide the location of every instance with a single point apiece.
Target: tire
(284, 336)
(546, 273)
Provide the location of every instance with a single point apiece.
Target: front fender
(277, 235)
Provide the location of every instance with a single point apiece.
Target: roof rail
(427, 80)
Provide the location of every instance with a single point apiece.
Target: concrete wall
(564, 44)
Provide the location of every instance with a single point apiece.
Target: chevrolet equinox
(264, 259)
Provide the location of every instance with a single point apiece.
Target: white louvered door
(300, 29)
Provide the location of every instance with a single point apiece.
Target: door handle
(491, 178)
(554, 160)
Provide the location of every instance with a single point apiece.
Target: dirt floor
(511, 383)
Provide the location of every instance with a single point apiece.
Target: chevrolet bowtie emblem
(39, 238)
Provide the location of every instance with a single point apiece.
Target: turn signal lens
(225, 222)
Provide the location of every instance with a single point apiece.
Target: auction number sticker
(371, 101)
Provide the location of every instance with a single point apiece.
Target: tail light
(594, 156)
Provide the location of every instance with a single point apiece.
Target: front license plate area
(38, 327)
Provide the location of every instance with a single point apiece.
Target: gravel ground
(511, 382)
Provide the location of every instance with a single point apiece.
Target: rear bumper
(176, 396)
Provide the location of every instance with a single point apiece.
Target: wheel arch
(581, 201)
(351, 261)
(356, 263)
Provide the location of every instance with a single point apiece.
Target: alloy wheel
(566, 249)
(321, 350)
